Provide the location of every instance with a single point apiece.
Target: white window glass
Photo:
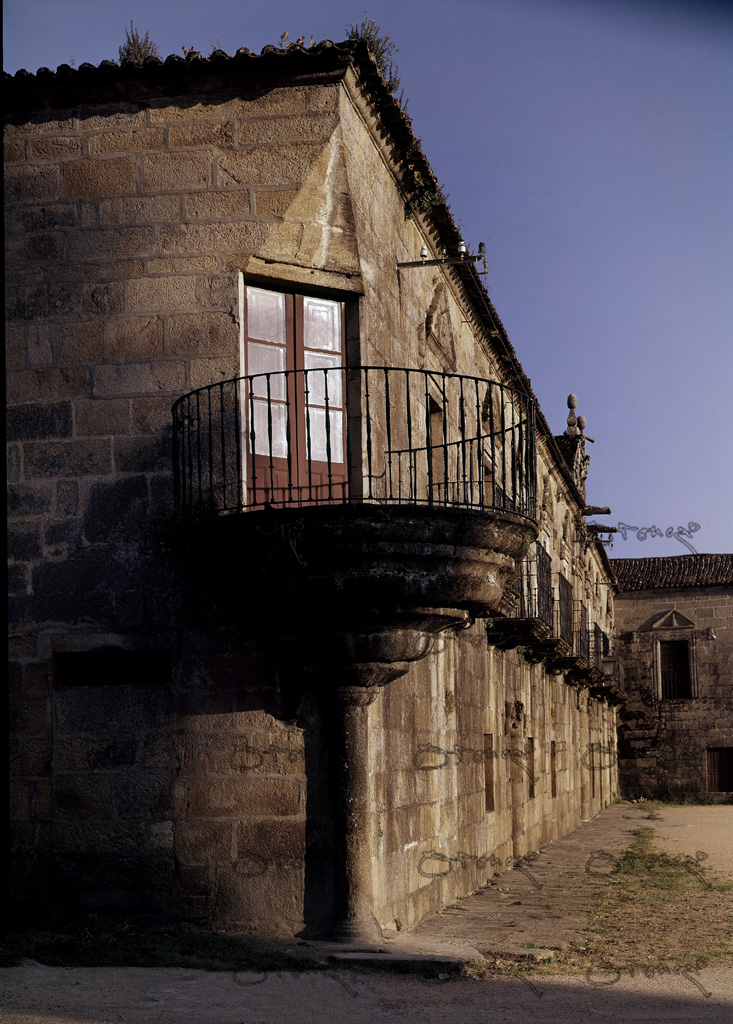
(316, 381)
(267, 359)
(322, 324)
(278, 426)
(266, 315)
(316, 424)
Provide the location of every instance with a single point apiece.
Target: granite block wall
(159, 763)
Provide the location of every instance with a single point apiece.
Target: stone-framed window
(675, 663)
(553, 768)
(675, 677)
(720, 769)
(530, 767)
(489, 772)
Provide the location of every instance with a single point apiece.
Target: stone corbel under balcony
(530, 634)
(549, 651)
(573, 668)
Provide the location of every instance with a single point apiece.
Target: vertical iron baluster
(328, 436)
(409, 437)
(347, 385)
(288, 439)
(460, 454)
(241, 498)
(446, 474)
(308, 445)
(491, 427)
(480, 485)
(428, 444)
(222, 428)
(269, 436)
(512, 449)
(461, 472)
(503, 446)
(198, 446)
(529, 441)
(388, 415)
(252, 439)
(533, 451)
(522, 470)
(298, 426)
(211, 455)
(190, 455)
(368, 430)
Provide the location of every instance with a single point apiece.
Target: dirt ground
(688, 831)
(34, 994)
(37, 995)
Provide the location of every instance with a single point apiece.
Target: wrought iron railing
(565, 609)
(532, 596)
(600, 647)
(530, 587)
(370, 434)
(582, 636)
(545, 596)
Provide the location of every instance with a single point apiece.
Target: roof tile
(674, 572)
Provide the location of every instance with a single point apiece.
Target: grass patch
(86, 940)
(658, 803)
(656, 914)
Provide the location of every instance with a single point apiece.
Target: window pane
(316, 424)
(277, 425)
(316, 382)
(267, 359)
(322, 324)
(266, 315)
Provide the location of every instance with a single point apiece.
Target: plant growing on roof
(136, 48)
(382, 47)
(285, 43)
(424, 193)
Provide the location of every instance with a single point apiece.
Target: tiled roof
(97, 83)
(676, 571)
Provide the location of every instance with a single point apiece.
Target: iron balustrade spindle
(369, 437)
(211, 451)
(388, 422)
(428, 454)
(409, 424)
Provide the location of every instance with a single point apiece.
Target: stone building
(674, 622)
(307, 626)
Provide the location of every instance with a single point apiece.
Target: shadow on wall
(179, 790)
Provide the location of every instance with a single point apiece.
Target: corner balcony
(346, 516)
(396, 495)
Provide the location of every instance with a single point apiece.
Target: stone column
(349, 707)
(585, 762)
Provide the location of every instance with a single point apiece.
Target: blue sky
(589, 143)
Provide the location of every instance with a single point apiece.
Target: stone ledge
(403, 963)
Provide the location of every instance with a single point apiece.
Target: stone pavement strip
(546, 903)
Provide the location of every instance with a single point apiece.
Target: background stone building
(674, 620)
(322, 649)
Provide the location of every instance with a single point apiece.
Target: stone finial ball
(572, 401)
(581, 422)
